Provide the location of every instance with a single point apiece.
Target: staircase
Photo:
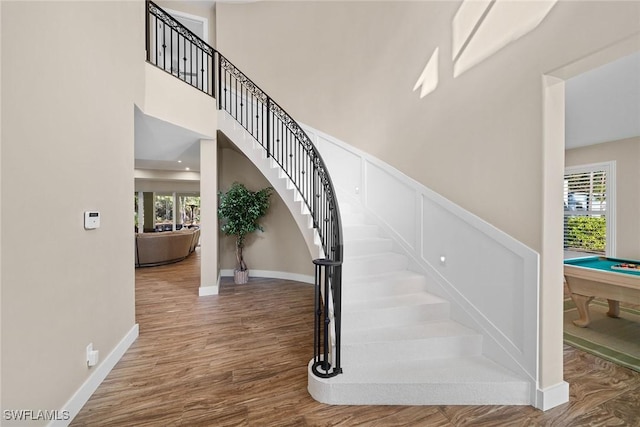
(399, 344)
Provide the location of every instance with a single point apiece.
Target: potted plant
(239, 210)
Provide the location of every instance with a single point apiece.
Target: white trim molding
(82, 395)
(205, 291)
(268, 274)
(553, 396)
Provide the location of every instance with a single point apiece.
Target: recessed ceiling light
(187, 169)
(179, 161)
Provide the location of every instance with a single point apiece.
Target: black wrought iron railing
(176, 50)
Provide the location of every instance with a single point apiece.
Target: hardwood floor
(240, 359)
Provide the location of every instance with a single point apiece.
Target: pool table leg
(614, 308)
(582, 304)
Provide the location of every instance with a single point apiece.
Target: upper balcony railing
(175, 49)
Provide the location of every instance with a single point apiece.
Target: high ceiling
(604, 104)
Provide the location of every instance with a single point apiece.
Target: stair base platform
(456, 381)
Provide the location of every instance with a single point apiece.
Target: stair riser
(516, 393)
(366, 247)
(351, 218)
(422, 349)
(355, 268)
(396, 316)
(354, 232)
(366, 291)
(347, 208)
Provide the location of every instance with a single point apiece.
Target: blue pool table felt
(603, 263)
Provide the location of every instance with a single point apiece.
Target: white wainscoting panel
(393, 202)
(345, 167)
(485, 273)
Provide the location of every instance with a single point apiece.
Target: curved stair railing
(173, 48)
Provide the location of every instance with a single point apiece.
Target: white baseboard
(208, 290)
(205, 291)
(552, 396)
(274, 275)
(100, 372)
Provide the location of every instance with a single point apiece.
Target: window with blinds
(587, 205)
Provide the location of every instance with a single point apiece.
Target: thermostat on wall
(91, 220)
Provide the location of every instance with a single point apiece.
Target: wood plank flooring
(240, 359)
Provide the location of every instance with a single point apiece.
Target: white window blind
(587, 209)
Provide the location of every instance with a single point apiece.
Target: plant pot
(240, 277)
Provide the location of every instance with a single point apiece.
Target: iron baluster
(147, 27)
(268, 146)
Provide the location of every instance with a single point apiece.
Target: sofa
(165, 247)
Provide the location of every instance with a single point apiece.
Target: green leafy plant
(586, 233)
(239, 210)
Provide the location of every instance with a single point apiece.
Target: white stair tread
(350, 218)
(464, 370)
(373, 264)
(386, 254)
(362, 240)
(407, 300)
(359, 231)
(374, 258)
(435, 329)
(371, 245)
(388, 277)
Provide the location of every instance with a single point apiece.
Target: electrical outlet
(92, 356)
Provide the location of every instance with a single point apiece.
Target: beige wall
(166, 181)
(171, 100)
(476, 139)
(281, 247)
(67, 147)
(626, 154)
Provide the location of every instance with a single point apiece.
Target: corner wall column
(552, 389)
(208, 217)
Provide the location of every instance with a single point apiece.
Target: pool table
(597, 276)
